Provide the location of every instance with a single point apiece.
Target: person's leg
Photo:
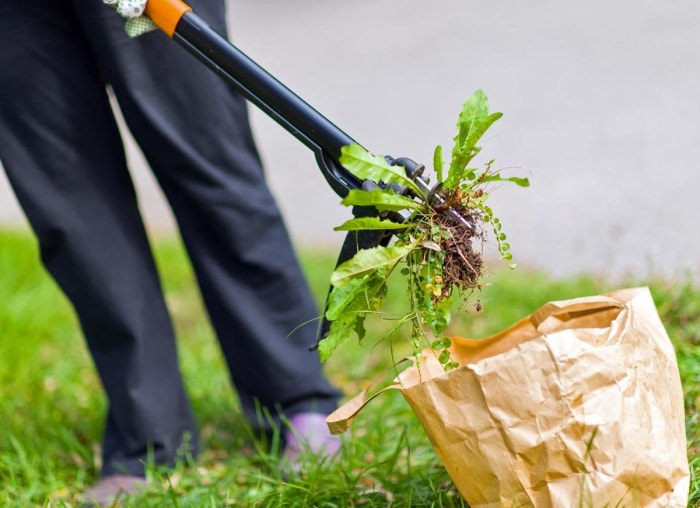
(63, 155)
(194, 132)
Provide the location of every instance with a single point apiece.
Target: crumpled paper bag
(579, 404)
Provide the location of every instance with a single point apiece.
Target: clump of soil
(463, 264)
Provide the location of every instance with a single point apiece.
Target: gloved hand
(132, 10)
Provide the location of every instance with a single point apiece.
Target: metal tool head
(435, 200)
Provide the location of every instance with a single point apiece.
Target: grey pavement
(601, 104)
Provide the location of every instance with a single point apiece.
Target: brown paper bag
(579, 404)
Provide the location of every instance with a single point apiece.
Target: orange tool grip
(166, 13)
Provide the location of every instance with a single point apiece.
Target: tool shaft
(260, 87)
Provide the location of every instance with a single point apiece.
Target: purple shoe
(112, 488)
(308, 432)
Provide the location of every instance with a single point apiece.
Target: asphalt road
(601, 104)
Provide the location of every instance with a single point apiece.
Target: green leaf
(367, 260)
(474, 120)
(339, 332)
(345, 297)
(347, 308)
(382, 200)
(437, 345)
(520, 181)
(367, 223)
(497, 177)
(438, 163)
(367, 166)
(444, 356)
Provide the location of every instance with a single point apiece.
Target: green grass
(52, 404)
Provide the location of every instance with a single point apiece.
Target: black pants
(63, 155)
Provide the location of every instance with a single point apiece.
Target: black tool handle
(271, 96)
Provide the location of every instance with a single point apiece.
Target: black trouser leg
(64, 158)
(194, 132)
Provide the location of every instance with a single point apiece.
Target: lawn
(52, 405)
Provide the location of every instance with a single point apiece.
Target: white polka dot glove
(132, 10)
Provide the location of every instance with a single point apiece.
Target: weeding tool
(324, 138)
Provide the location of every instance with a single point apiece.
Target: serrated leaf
(341, 298)
(368, 223)
(367, 166)
(382, 200)
(474, 108)
(474, 120)
(367, 260)
(340, 331)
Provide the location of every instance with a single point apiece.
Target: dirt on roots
(463, 264)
